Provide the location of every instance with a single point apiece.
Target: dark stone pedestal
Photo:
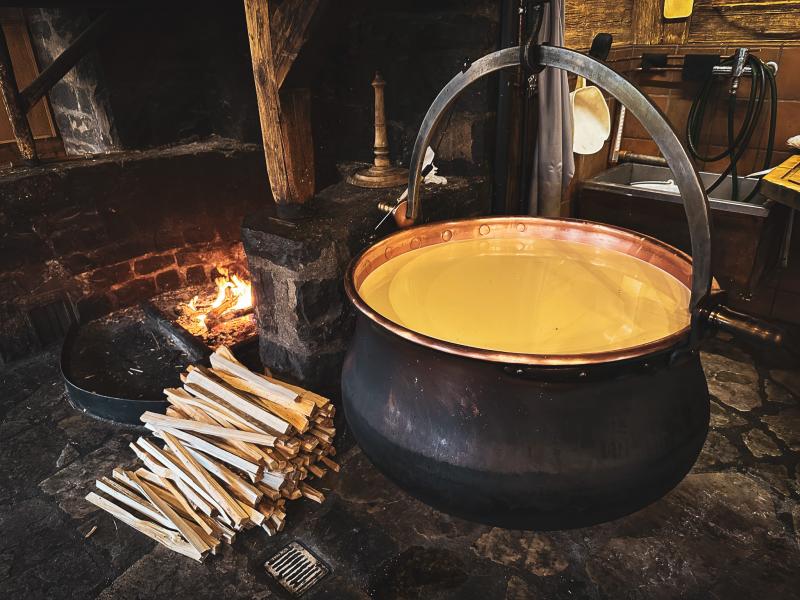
(297, 266)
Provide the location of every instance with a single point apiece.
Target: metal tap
(738, 69)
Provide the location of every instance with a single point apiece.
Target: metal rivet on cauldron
(520, 227)
(415, 243)
(484, 229)
(446, 235)
(388, 252)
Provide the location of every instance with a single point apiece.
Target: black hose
(762, 83)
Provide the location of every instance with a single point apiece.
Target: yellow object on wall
(678, 9)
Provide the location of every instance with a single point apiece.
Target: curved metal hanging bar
(695, 202)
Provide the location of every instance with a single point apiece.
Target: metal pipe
(644, 159)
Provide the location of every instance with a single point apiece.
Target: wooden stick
(319, 401)
(134, 501)
(230, 397)
(169, 493)
(217, 407)
(224, 360)
(212, 430)
(334, 466)
(246, 492)
(171, 540)
(297, 419)
(216, 452)
(215, 489)
(317, 471)
(179, 475)
(245, 449)
(189, 534)
(312, 493)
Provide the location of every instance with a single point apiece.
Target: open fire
(222, 314)
(234, 298)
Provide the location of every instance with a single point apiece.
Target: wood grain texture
(650, 27)
(744, 21)
(585, 19)
(713, 21)
(269, 106)
(290, 30)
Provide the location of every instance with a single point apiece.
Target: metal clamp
(694, 197)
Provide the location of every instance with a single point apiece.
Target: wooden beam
(9, 92)
(285, 126)
(290, 30)
(269, 106)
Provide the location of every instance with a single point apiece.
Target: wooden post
(11, 99)
(297, 142)
(290, 28)
(285, 121)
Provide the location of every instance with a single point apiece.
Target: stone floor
(729, 530)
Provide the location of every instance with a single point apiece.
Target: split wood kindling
(232, 458)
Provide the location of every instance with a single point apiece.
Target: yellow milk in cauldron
(534, 297)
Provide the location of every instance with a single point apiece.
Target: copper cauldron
(531, 440)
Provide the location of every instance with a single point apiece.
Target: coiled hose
(762, 81)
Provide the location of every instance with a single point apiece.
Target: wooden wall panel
(744, 21)
(587, 18)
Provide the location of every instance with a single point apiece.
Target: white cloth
(553, 161)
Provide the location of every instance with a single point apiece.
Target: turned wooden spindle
(381, 174)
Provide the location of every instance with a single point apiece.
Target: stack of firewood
(236, 446)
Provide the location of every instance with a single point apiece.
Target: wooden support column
(11, 99)
(285, 118)
(297, 141)
(290, 27)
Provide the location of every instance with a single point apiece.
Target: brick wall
(104, 234)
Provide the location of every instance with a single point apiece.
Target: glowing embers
(234, 297)
(222, 314)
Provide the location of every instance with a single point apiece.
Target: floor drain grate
(296, 569)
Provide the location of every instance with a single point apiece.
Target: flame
(231, 289)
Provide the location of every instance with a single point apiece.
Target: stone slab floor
(728, 531)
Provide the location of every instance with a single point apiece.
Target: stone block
(135, 291)
(168, 280)
(111, 275)
(196, 275)
(150, 264)
(297, 266)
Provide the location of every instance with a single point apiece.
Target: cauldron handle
(695, 202)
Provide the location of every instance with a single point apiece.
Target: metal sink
(619, 180)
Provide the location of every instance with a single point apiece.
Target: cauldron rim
(652, 250)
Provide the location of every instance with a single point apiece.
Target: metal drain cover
(296, 569)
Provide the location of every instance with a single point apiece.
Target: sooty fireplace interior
(151, 162)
